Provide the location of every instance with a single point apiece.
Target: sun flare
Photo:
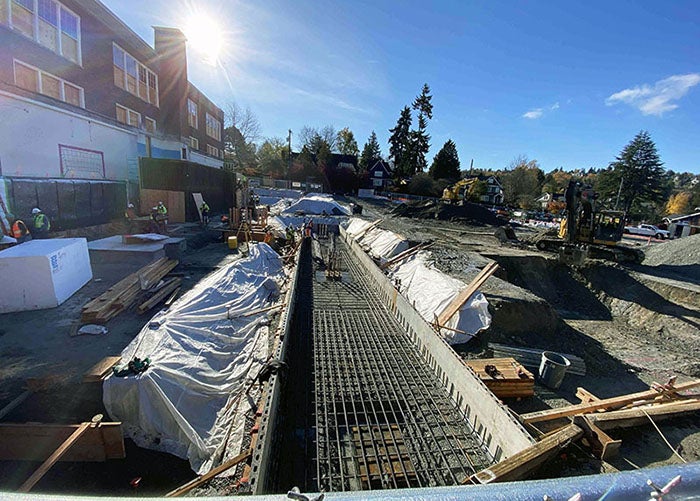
(205, 36)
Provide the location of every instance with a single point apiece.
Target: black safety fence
(68, 203)
(217, 186)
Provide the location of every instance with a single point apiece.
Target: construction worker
(290, 235)
(204, 208)
(130, 216)
(41, 224)
(163, 214)
(20, 232)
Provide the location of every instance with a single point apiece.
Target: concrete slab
(114, 250)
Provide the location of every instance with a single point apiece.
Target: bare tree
(244, 120)
(313, 138)
(240, 135)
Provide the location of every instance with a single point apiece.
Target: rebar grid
(383, 418)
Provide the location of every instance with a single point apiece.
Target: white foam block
(42, 273)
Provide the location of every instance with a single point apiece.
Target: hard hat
(36, 210)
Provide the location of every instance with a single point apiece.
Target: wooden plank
(604, 446)
(15, 403)
(525, 462)
(606, 403)
(467, 293)
(36, 442)
(405, 254)
(98, 371)
(585, 396)
(637, 416)
(172, 297)
(53, 458)
(159, 296)
(183, 489)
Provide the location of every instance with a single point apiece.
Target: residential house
(380, 175)
(683, 225)
(494, 189)
(82, 98)
(547, 197)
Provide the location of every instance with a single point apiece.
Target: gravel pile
(682, 251)
(431, 209)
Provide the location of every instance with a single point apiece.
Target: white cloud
(659, 98)
(555, 106)
(534, 114)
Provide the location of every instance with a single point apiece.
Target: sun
(204, 36)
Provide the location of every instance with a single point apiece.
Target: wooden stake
(208, 476)
(467, 293)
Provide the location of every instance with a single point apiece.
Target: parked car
(648, 230)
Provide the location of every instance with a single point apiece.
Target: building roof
(381, 163)
(675, 217)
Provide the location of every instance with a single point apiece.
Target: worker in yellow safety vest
(204, 208)
(163, 213)
(41, 224)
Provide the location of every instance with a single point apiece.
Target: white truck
(648, 230)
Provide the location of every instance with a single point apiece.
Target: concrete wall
(31, 132)
(501, 433)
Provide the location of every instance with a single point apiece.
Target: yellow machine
(459, 191)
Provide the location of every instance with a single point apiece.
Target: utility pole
(289, 155)
(619, 191)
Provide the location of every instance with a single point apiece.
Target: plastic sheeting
(382, 244)
(191, 401)
(431, 291)
(317, 204)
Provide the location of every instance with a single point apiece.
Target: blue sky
(567, 83)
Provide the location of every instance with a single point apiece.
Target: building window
(194, 143)
(127, 116)
(48, 23)
(213, 151)
(35, 80)
(150, 125)
(134, 77)
(213, 127)
(378, 173)
(192, 113)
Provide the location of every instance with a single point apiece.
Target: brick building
(81, 98)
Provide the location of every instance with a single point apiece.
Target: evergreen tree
(446, 163)
(346, 143)
(637, 174)
(370, 153)
(419, 138)
(400, 142)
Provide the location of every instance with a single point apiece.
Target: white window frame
(194, 143)
(213, 127)
(212, 151)
(40, 72)
(59, 30)
(194, 107)
(155, 102)
(149, 119)
(129, 110)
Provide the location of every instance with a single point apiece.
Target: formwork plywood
(173, 200)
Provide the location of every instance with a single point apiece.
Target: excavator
(459, 191)
(589, 232)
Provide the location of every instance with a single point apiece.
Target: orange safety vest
(19, 229)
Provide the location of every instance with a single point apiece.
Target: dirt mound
(682, 251)
(431, 209)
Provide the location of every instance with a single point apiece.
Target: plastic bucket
(232, 242)
(553, 368)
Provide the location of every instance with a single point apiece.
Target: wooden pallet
(124, 293)
(511, 381)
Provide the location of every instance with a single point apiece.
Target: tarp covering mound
(190, 402)
(381, 245)
(317, 204)
(431, 291)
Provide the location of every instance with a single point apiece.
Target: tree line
(635, 181)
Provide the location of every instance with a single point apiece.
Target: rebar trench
(382, 418)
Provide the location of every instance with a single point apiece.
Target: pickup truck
(648, 230)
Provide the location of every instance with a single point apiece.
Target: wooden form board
(101, 369)
(512, 381)
(467, 293)
(174, 201)
(37, 441)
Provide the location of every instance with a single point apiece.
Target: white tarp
(430, 291)
(382, 244)
(357, 227)
(191, 401)
(317, 204)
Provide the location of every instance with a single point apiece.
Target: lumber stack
(509, 380)
(124, 293)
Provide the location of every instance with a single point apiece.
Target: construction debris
(505, 377)
(124, 293)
